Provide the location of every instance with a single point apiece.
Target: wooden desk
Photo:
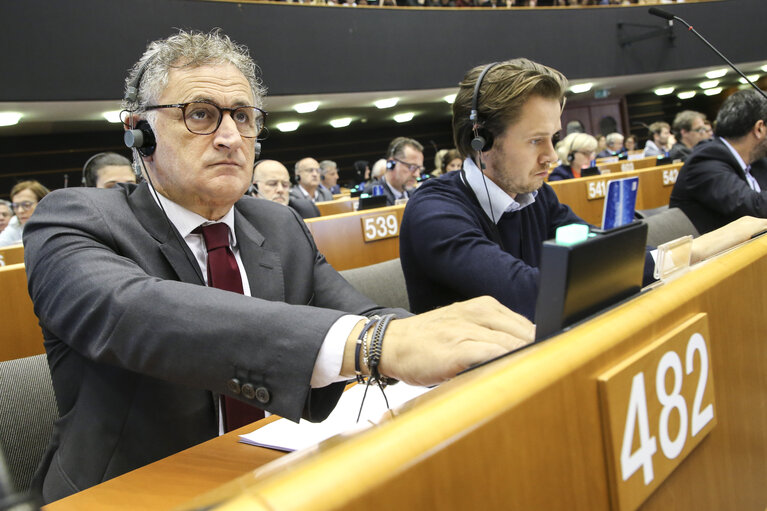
(528, 433)
(341, 238)
(628, 165)
(13, 254)
(20, 333)
(585, 195)
(333, 207)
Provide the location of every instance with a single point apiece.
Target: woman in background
(575, 154)
(24, 198)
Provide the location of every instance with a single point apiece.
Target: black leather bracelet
(360, 341)
(376, 348)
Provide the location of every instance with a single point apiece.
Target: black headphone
(141, 137)
(483, 139)
(570, 152)
(390, 164)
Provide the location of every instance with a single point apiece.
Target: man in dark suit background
(308, 184)
(404, 164)
(272, 182)
(140, 347)
(726, 178)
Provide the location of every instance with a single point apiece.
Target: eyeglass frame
(220, 109)
(23, 206)
(419, 168)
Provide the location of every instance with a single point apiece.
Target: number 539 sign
(657, 405)
(378, 227)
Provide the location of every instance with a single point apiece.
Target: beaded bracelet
(361, 342)
(376, 348)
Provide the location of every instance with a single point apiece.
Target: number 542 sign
(657, 405)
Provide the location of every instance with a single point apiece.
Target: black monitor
(590, 171)
(376, 201)
(579, 280)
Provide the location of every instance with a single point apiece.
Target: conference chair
(384, 283)
(668, 224)
(27, 413)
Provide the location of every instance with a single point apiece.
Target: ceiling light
(288, 126)
(709, 84)
(686, 94)
(764, 68)
(341, 122)
(9, 118)
(450, 98)
(752, 78)
(712, 92)
(112, 115)
(583, 87)
(664, 91)
(305, 108)
(386, 103)
(407, 116)
(716, 73)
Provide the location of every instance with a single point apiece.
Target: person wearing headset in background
(576, 152)
(157, 298)
(404, 165)
(613, 146)
(329, 176)
(24, 199)
(105, 170)
(272, 182)
(480, 231)
(308, 182)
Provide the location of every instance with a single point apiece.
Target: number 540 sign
(657, 405)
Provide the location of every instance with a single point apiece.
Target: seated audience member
(404, 164)
(24, 197)
(438, 163)
(727, 178)
(601, 143)
(574, 127)
(148, 318)
(630, 143)
(308, 182)
(709, 134)
(689, 129)
(6, 213)
(272, 182)
(105, 170)
(452, 161)
(576, 153)
(614, 146)
(379, 169)
(659, 133)
(480, 232)
(329, 176)
(362, 173)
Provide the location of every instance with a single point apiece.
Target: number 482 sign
(657, 405)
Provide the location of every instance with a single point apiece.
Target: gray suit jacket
(323, 194)
(138, 346)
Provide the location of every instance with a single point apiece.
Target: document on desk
(285, 435)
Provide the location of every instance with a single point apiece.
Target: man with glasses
(308, 182)
(6, 213)
(404, 164)
(726, 178)
(165, 312)
(690, 128)
(272, 182)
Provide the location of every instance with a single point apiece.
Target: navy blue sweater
(449, 251)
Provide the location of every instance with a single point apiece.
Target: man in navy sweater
(464, 234)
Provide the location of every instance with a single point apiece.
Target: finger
(490, 313)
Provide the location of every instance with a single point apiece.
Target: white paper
(285, 435)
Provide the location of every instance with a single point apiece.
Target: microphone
(668, 16)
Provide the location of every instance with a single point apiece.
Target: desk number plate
(378, 227)
(656, 406)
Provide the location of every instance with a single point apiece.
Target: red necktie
(223, 273)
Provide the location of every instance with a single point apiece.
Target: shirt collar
(735, 154)
(186, 221)
(397, 194)
(501, 201)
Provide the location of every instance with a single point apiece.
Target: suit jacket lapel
(171, 244)
(263, 266)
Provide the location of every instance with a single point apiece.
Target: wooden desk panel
(340, 238)
(334, 207)
(13, 254)
(652, 193)
(20, 331)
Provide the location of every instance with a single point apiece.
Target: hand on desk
(435, 346)
(726, 237)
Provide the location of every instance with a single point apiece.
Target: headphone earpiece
(141, 138)
(570, 157)
(483, 139)
(390, 164)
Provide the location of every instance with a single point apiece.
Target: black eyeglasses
(204, 118)
(412, 167)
